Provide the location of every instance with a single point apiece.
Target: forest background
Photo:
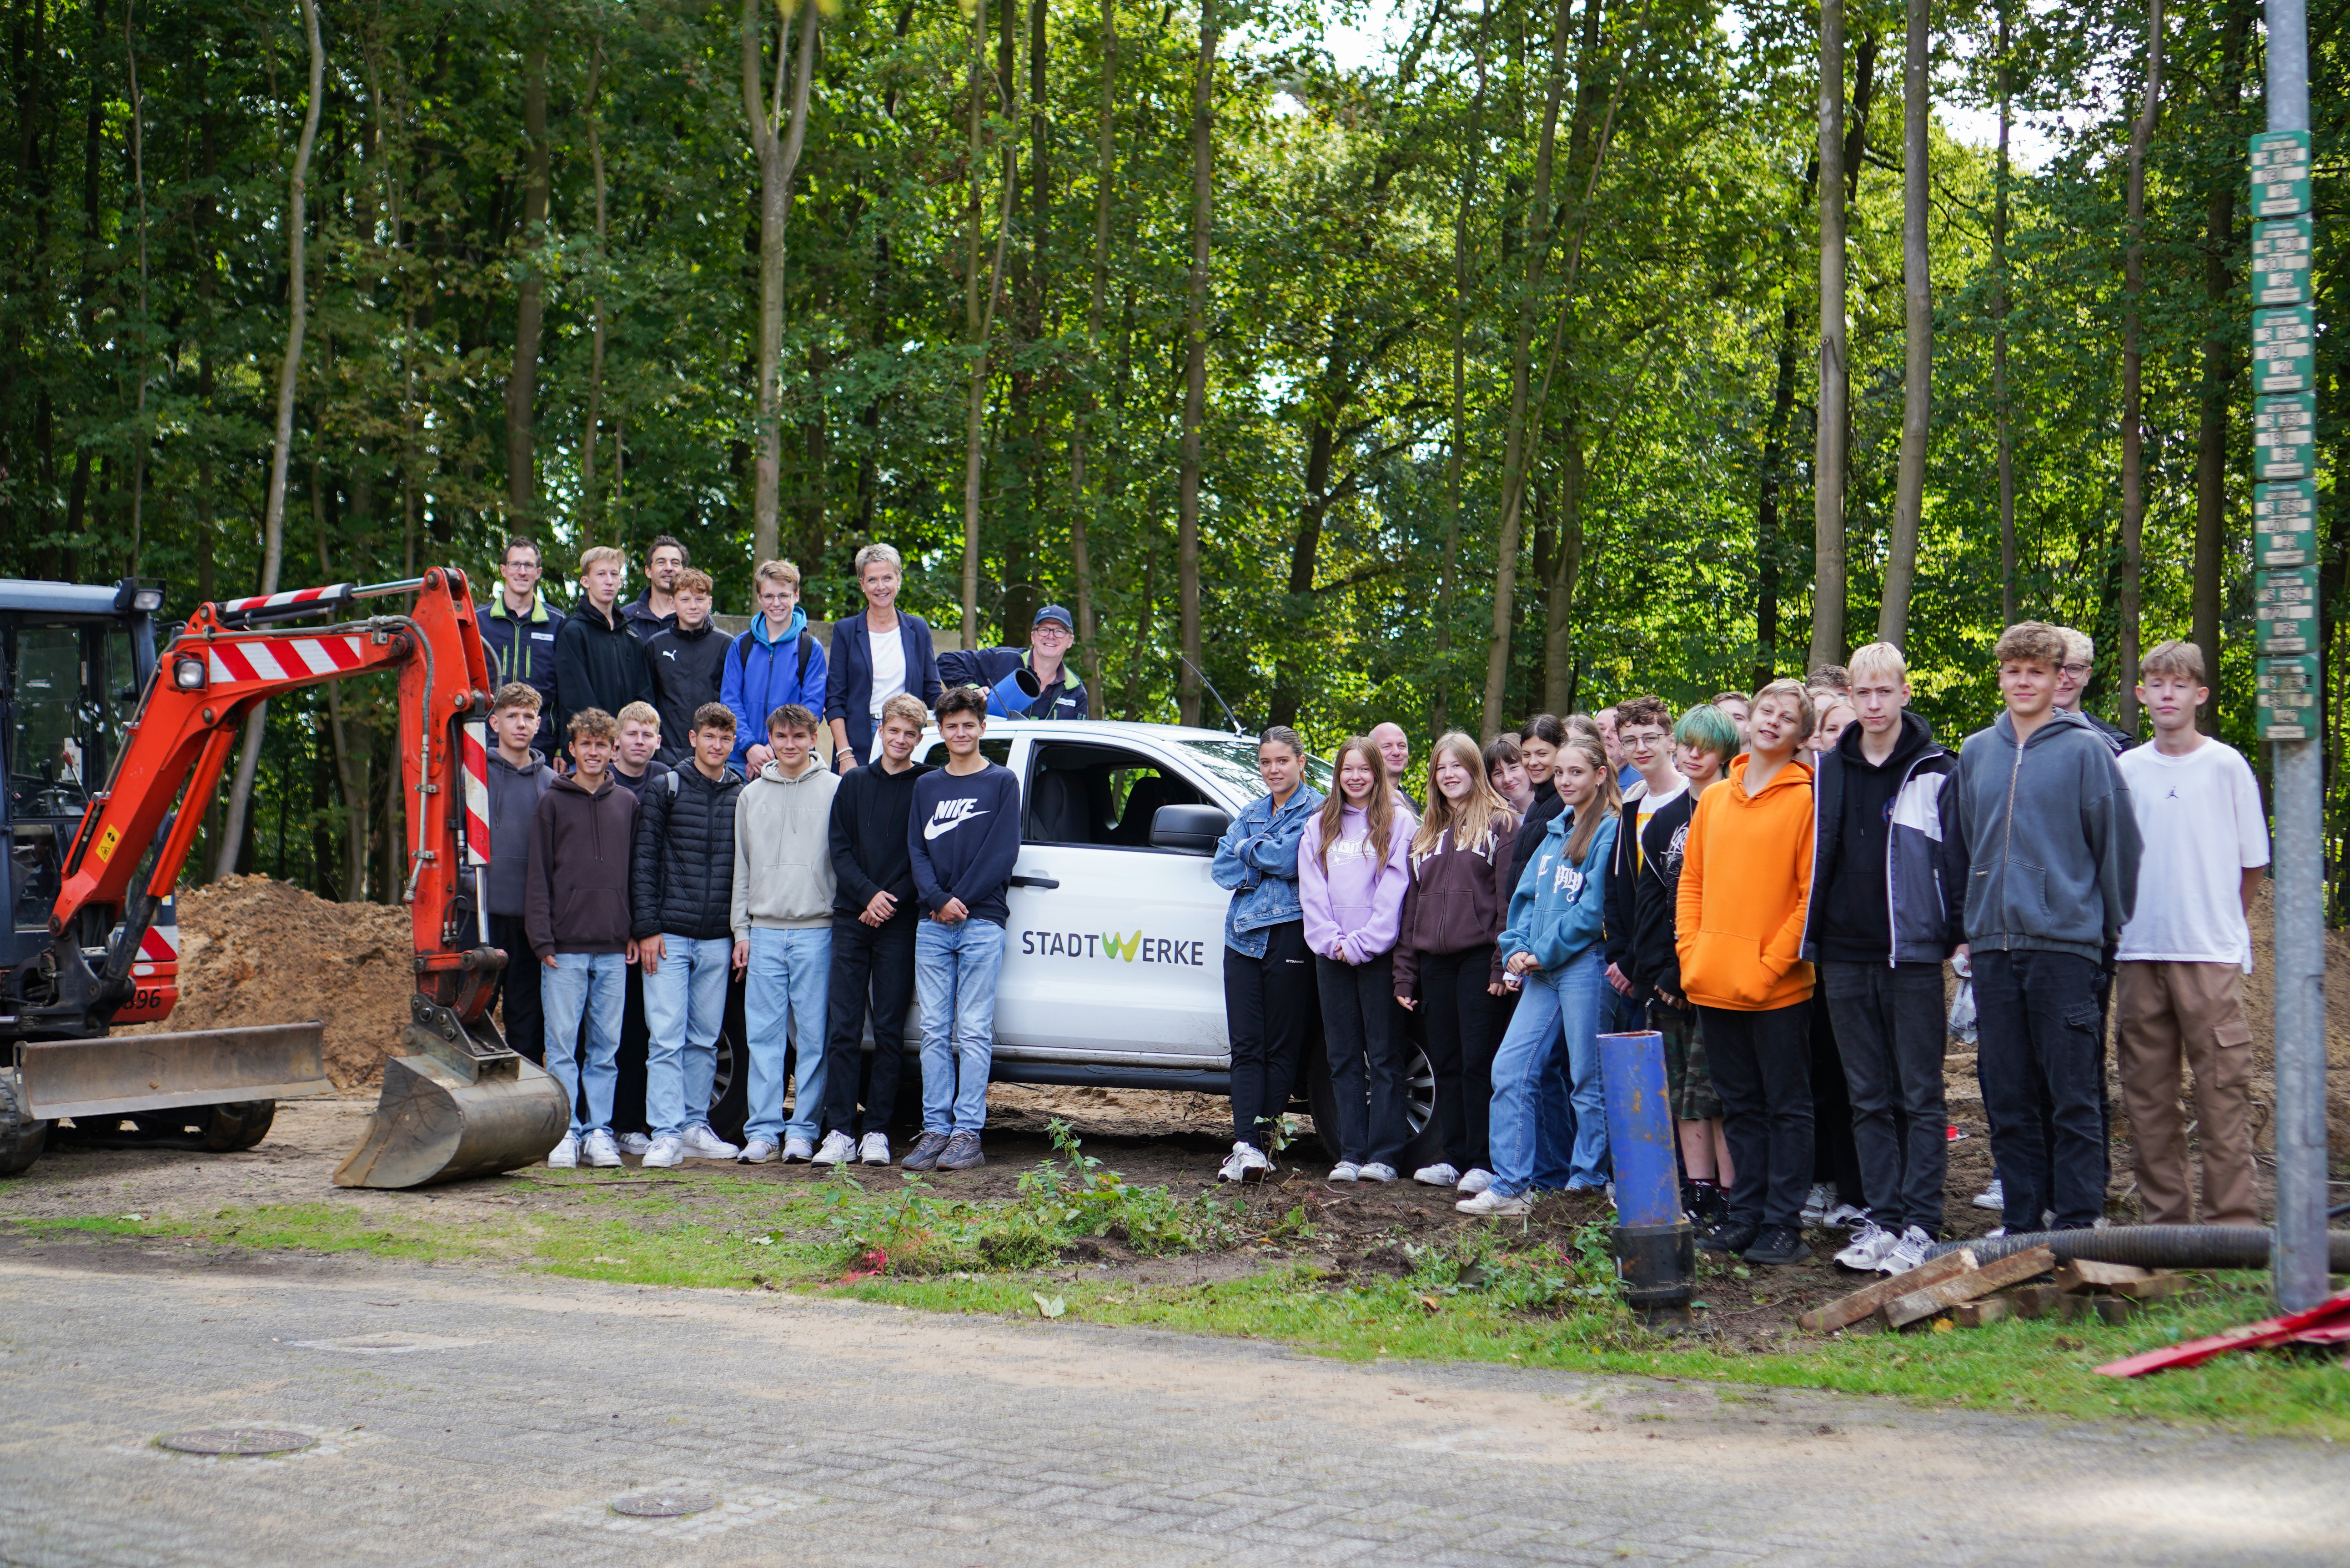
(1467, 369)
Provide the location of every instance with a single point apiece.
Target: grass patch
(1490, 1294)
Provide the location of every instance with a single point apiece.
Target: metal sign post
(2284, 519)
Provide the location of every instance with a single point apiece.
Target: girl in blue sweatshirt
(1553, 941)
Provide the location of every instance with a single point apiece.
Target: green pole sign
(2280, 173)
(2281, 260)
(2284, 601)
(2284, 524)
(2284, 350)
(2284, 438)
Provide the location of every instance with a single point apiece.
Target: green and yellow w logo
(1128, 948)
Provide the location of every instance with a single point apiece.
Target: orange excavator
(455, 1101)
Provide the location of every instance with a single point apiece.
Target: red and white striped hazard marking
(284, 658)
(477, 793)
(291, 596)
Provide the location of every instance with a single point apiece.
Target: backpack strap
(799, 681)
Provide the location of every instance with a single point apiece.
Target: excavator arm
(457, 1102)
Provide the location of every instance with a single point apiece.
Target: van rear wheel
(1425, 1146)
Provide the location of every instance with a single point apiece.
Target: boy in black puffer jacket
(681, 887)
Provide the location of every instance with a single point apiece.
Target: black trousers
(873, 963)
(1269, 1011)
(2040, 1053)
(519, 1012)
(1459, 1017)
(1761, 1069)
(1836, 1158)
(1360, 1032)
(1889, 1030)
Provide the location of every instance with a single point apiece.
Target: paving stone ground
(486, 1418)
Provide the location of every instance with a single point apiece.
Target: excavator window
(74, 690)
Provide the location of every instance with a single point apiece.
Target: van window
(1101, 796)
(1235, 762)
(997, 751)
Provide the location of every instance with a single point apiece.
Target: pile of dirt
(255, 950)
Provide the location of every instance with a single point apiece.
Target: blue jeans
(685, 1006)
(1557, 1009)
(954, 977)
(788, 982)
(593, 983)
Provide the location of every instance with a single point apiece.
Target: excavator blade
(119, 1074)
(440, 1119)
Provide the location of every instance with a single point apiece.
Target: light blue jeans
(685, 1007)
(1559, 1008)
(954, 977)
(789, 981)
(596, 984)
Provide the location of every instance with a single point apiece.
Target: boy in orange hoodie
(1746, 878)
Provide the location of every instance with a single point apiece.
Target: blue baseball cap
(1056, 612)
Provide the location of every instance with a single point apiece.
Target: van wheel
(21, 1138)
(1426, 1143)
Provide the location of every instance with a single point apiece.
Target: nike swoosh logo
(933, 829)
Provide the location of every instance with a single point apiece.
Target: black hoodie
(686, 668)
(870, 852)
(1547, 802)
(596, 665)
(577, 899)
(1855, 871)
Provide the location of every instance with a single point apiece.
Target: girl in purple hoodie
(1352, 869)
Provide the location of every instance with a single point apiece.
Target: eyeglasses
(1051, 628)
(2074, 668)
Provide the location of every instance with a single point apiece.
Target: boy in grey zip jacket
(2047, 853)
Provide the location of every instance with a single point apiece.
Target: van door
(1114, 949)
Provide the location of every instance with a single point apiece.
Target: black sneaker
(924, 1155)
(1730, 1236)
(1778, 1244)
(961, 1153)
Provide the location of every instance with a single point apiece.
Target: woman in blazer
(875, 656)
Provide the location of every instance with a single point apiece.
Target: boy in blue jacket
(963, 835)
(1554, 942)
(776, 662)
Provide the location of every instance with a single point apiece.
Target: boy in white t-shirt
(2187, 947)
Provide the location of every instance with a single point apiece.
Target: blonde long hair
(1379, 814)
(1604, 806)
(1477, 817)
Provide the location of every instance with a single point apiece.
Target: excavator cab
(111, 748)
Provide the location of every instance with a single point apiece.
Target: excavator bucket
(454, 1109)
(122, 1075)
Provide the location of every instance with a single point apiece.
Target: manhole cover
(670, 1504)
(239, 1440)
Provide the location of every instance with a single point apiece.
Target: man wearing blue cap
(1033, 682)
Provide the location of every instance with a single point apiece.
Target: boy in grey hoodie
(518, 775)
(2047, 850)
(783, 932)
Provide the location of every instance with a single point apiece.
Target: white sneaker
(1906, 1254)
(838, 1148)
(1993, 1198)
(874, 1148)
(1870, 1245)
(1375, 1171)
(758, 1151)
(1235, 1167)
(1346, 1171)
(1816, 1204)
(1475, 1179)
(664, 1152)
(635, 1143)
(1257, 1163)
(1437, 1176)
(565, 1155)
(601, 1151)
(1490, 1203)
(798, 1151)
(1844, 1217)
(700, 1142)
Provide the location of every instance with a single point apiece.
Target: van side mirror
(1193, 829)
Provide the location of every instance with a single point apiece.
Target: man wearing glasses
(1033, 682)
(2072, 676)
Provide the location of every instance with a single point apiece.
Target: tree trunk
(1766, 505)
(1828, 446)
(2001, 303)
(1918, 334)
(1515, 440)
(1195, 366)
(273, 524)
(1084, 494)
(979, 294)
(593, 434)
(521, 384)
(1439, 706)
(140, 437)
(2133, 434)
(1565, 566)
(776, 144)
(2218, 371)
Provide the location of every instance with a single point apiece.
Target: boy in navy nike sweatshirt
(962, 836)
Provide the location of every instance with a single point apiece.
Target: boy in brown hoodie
(1746, 878)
